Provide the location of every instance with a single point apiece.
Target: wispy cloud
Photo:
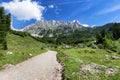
(57, 10)
(69, 2)
(109, 10)
(51, 6)
(116, 19)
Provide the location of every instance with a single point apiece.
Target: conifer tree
(4, 28)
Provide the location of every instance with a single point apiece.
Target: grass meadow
(22, 48)
(89, 64)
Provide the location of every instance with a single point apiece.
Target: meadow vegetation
(89, 64)
(99, 53)
(21, 48)
(99, 60)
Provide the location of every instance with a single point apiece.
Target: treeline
(19, 33)
(5, 21)
(110, 38)
(73, 38)
(111, 33)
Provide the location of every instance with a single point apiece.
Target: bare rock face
(44, 27)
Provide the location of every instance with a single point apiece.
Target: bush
(112, 45)
(109, 44)
(1, 55)
(42, 48)
(117, 43)
(89, 44)
(100, 46)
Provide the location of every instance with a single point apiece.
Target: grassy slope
(21, 47)
(71, 59)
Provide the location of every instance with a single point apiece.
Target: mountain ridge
(44, 27)
(56, 29)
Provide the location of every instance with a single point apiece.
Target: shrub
(112, 45)
(42, 48)
(1, 55)
(100, 46)
(109, 44)
(89, 44)
(117, 43)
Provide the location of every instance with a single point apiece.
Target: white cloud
(93, 25)
(85, 25)
(51, 6)
(24, 10)
(108, 10)
(15, 0)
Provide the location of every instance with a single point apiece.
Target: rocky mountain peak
(44, 27)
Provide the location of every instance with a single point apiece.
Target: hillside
(16, 43)
(19, 49)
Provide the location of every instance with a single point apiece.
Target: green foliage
(116, 31)
(73, 38)
(100, 36)
(19, 33)
(110, 44)
(73, 59)
(108, 40)
(4, 28)
(76, 37)
(21, 47)
(101, 46)
(3, 40)
(117, 45)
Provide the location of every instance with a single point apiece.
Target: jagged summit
(54, 23)
(44, 27)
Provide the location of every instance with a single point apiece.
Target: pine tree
(101, 36)
(116, 31)
(4, 28)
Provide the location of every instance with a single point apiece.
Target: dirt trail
(41, 67)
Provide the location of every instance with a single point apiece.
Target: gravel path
(41, 67)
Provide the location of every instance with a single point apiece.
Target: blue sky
(90, 12)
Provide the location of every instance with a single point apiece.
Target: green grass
(73, 59)
(21, 47)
